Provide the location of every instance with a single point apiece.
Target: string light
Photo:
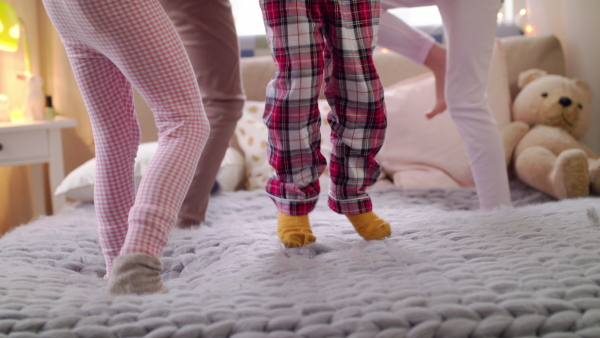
(523, 11)
(385, 50)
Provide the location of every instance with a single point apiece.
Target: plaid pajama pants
(312, 40)
(114, 46)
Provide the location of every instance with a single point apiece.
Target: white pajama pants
(115, 46)
(470, 27)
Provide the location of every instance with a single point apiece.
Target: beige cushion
(419, 153)
(258, 71)
(526, 52)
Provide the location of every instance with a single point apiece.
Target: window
(248, 17)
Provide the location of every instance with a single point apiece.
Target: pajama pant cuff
(294, 207)
(354, 206)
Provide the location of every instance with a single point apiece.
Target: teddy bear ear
(585, 87)
(529, 75)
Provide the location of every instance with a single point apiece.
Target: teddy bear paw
(595, 176)
(571, 176)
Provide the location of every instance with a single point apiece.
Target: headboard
(522, 53)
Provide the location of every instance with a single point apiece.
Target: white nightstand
(33, 143)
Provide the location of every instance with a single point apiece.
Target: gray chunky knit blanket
(449, 270)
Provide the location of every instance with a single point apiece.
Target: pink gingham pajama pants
(114, 46)
(309, 40)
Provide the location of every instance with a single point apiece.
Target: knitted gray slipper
(136, 273)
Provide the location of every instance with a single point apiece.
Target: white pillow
(79, 183)
(231, 172)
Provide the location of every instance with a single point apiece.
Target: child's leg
(108, 98)
(357, 118)
(291, 113)
(395, 35)
(165, 79)
(470, 27)
(208, 33)
(144, 48)
(116, 138)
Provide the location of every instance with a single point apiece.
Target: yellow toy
(551, 114)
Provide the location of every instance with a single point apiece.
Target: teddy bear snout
(570, 116)
(565, 101)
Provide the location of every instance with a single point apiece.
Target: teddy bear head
(553, 100)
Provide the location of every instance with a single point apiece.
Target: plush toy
(551, 114)
(34, 103)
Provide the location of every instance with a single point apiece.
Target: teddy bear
(551, 113)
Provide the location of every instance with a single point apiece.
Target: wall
(15, 187)
(51, 62)
(576, 24)
(66, 98)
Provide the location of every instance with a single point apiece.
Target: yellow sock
(369, 226)
(294, 231)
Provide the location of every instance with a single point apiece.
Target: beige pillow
(421, 153)
(251, 136)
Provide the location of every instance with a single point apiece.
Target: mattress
(448, 270)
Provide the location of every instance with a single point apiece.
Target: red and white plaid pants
(312, 41)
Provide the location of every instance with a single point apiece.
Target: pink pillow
(419, 153)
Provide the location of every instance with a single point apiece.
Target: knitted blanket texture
(448, 270)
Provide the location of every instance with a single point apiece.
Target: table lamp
(11, 27)
(12, 31)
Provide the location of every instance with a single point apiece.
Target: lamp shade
(9, 28)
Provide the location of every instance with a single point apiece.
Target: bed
(448, 270)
